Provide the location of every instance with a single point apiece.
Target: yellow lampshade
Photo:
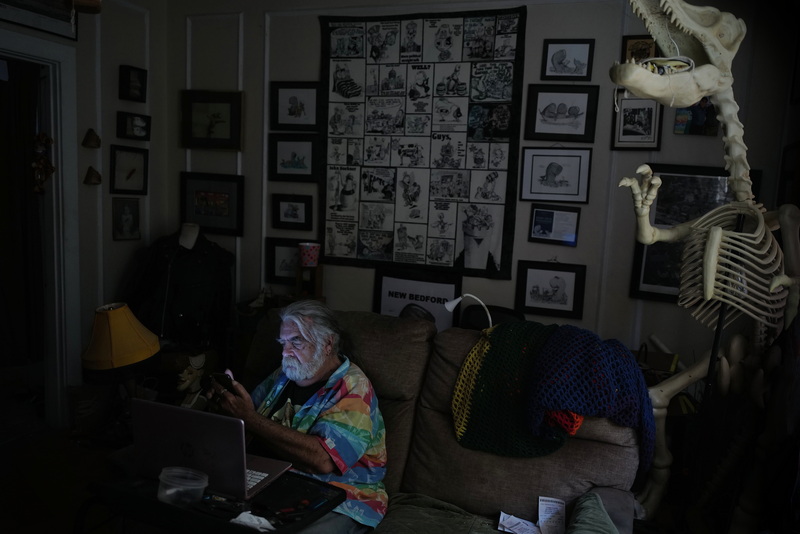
(118, 339)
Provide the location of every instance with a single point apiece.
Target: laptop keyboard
(254, 477)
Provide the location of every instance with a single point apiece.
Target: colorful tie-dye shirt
(345, 417)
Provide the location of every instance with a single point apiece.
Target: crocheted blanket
(525, 387)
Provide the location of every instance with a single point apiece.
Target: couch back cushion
(484, 483)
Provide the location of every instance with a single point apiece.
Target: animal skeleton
(730, 256)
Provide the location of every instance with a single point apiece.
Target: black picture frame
(294, 106)
(292, 212)
(47, 16)
(636, 123)
(133, 126)
(132, 83)
(129, 170)
(638, 47)
(567, 60)
(125, 216)
(550, 288)
(561, 112)
(294, 157)
(554, 225)
(211, 119)
(556, 174)
(215, 202)
(281, 258)
(406, 291)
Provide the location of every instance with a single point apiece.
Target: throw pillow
(589, 516)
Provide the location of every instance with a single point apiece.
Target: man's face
(301, 358)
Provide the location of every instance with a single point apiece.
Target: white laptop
(166, 435)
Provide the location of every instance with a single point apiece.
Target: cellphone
(224, 380)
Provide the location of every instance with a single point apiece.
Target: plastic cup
(309, 254)
(181, 485)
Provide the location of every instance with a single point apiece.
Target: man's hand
(237, 402)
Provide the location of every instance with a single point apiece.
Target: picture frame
(215, 202)
(415, 292)
(554, 225)
(636, 123)
(550, 288)
(292, 212)
(133, 126)
(132, 83)
(294, 157)
(129, 170)
(281, 257)
(561, 112)
(567, 59)
(43, 15)
(697, 119)
(211, 119)
(638, 48)
(126, 219)
(294, 106)
(556, 174)
(686, 193)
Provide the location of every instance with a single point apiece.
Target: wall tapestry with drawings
(422, 130)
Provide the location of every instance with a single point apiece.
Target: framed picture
(211, 119)
(292, 212)
(550, 288)
(638, 48)
(129, 170)
(294, 106)
(556, 225)
(281, 258)
(413, 292)
(133, 126)
(636, 123)
(294, 157)
(213, 201)
(44, 15)
(561, 112)
(567, 59)
(686, 193)
(125, 216)
(556, 174)
(698, 119)
(132, 83)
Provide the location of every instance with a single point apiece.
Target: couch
(434, 483)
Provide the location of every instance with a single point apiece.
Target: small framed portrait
(555, 225)
(556, 174)
(550, 288)
(561, 112)
(294, 106)
(282, 257)
(636, 124)
(211, 119)
(133, 126)
(292, 212)
(638, 48)
(294, 157)
(125, 216)
(129, 169)
(132, 83)
(567, 59)
(215, 202)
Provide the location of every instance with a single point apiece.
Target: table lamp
(118, 339)
(451, 305)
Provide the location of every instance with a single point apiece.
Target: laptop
(167, 435)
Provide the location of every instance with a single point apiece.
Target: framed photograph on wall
(561, 112)
(211, 119)
(417, 293)
(636, 123)
(125, 216)
(638, 48)
(556, 174)
(294, 157)
(555, 225)
(282, 257)
(133, 126)
(292, 212)
(294, 106)
(132, 83)
(567, 59)
(213, 201)
(550, 288)
(129, 169)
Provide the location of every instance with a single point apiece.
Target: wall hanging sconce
(91, 139)
(92, 176)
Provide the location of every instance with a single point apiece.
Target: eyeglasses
(297, 342)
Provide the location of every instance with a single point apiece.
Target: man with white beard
(320, 412)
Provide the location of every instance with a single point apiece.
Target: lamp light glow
(118, 339)
(451, 305)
